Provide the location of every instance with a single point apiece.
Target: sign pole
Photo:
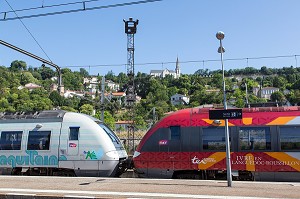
(220, 36)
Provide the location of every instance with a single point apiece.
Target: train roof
(248, 110)
(199, 116)
(45, 116)
(193, 114)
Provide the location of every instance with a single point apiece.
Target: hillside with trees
(203, 87)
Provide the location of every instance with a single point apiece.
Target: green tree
(25, 106)
(240, 103)
(67, 108)
(86, 109)
(161, 108)
(109, 120)
(47, 83)
(56, 98)
(42, 104)
(294, 97)
(296, 85)
(110, 76)
(183, 83)
(140, 123)
(265, 71)
(143, 85)
(122, 77)
(4, 84)
(18, 66)
(83, 72)
(46, 72)
(14, 83)
(158, 90)
(72, 102)
(172, 90)
(292, 78)
(279, 82)
(36, 75)
(250, 71)
(277, 96)
(217, 81)
(38, 93)
(4, 104)
(72, 81)
(27, 77)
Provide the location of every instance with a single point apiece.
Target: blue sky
(167, 29)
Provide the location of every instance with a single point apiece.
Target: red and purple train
(265, 145)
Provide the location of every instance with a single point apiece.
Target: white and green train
(59, 143)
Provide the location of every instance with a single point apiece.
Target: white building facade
(178, 99)
(265, 92)
(165, 72)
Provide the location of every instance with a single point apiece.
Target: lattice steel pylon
(130, 30)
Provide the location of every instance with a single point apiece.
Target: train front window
(255, 138)
(213, 139)
(290, 138)
(110, 133)
(10, 140)
(74, 132)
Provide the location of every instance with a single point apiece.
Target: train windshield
(110, 133)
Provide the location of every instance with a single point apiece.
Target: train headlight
(136, 154)
(113, 154)
(122, 153)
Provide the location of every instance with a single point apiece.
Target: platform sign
(225, 114)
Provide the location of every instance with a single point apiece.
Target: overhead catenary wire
(28, 31)
(5, 18)
(186, 62)
(112, 6)
(49, 6)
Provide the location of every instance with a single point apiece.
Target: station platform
(42, 187)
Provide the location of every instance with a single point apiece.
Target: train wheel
(16, 171)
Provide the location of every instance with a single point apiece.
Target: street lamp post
(220, 36)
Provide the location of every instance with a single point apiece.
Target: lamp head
(220, 35)
(221, 50)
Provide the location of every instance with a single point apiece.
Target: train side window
(254, 138)
(290, 138)
(74, 132)
(11, 140)
(39, 140)
(213, 139)
(175, 132)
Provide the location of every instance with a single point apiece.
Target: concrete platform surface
(78, 187)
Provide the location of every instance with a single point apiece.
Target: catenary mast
(130, 30)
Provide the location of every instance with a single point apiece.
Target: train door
(73, 141)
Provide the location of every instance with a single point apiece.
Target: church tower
(177, 69)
